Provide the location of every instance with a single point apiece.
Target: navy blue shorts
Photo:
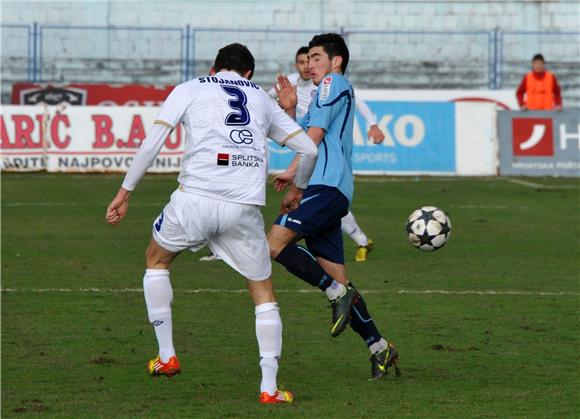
(318, 220)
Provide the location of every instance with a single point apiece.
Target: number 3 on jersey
(241, 116)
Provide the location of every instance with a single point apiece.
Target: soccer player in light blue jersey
(305, 91)
(329, 123)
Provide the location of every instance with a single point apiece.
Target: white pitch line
(77, 204)
(405, 179)
(475, 206)
(298, 291)
(155, 204)
(535, 185)
(492, 292)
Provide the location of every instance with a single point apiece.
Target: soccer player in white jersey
(301, 80)
(227, 121)
(305, 91)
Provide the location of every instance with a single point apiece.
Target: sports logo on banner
(419, 138)
(101, 94)
(540, 143)
(532, 137)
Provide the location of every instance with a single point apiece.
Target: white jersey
(227, 120)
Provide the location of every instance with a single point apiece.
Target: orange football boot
(281, 396)
(156, 368)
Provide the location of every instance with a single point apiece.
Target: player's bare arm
(287, 97)
(118, 207)
(375, 134)
(291, 199)
(150, 148)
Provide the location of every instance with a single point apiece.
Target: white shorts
(234, 232)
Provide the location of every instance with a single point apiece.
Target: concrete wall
(314, 14)
(378, 60)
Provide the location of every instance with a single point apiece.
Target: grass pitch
(486, 327)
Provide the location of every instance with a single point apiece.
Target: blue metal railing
(30, 45)
(543, 44)
(196, 34)
(42, 34)
(494, 45)
(428, 55)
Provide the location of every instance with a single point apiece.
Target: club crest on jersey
(223, 159)
(241, 136)
(325, 88)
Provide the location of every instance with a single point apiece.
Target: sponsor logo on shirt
(223, 159)
(241, 136)
(325, 89)
(241, 160)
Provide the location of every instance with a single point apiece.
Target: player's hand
(558, 108)
(291, 200)
(375, 134)
(287, 97)
(282, 180)
(118, 207)
(524, 108)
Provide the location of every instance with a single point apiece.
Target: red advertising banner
(89, 94)
(80, 139)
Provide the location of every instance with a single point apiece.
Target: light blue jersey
(332, 109)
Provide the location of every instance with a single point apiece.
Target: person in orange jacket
(539, 89)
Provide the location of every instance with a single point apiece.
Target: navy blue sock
(362, 322)
(298, 261)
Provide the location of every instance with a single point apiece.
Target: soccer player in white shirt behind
(227, 120)
(305, 88)
(305, 91)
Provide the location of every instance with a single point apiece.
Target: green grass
(82, 353)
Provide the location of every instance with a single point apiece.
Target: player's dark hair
(235, 57)
(538, 57)
(302, 50)
(333, 44)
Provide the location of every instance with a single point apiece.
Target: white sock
(269, 334)
(350, 227)
(379, 346)
(269, 368)
(158, 298)
(335, 291)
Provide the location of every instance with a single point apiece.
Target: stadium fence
(380, 59)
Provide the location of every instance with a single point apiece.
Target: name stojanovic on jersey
(227, 121)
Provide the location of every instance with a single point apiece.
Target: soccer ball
(428, 228)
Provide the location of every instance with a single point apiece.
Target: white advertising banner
(504, 99)
(428, 137)
(476, 141)
(80, 139)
